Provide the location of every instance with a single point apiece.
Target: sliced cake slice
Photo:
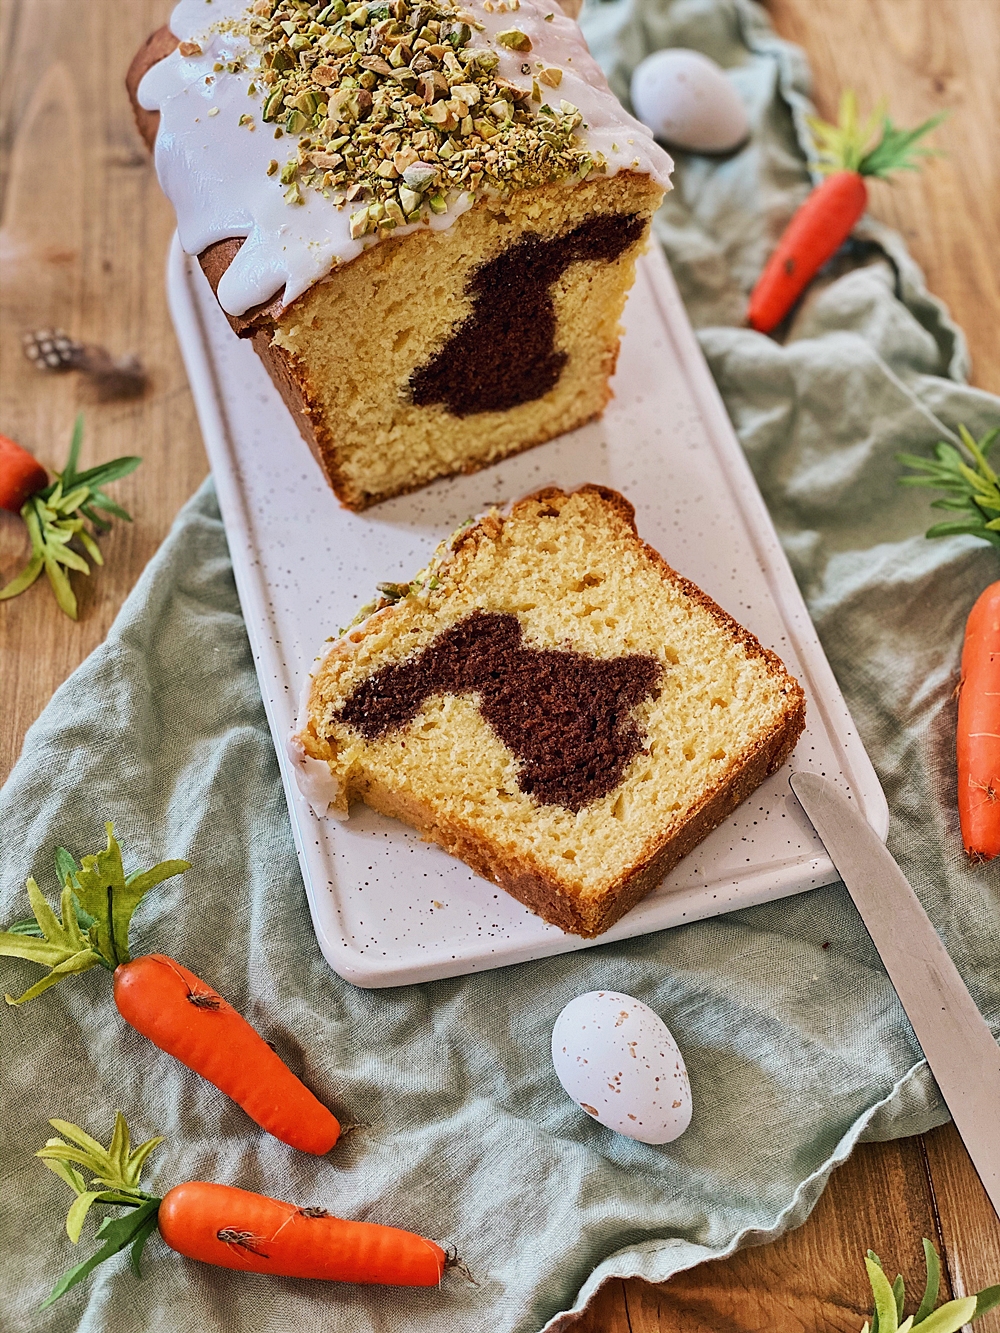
(549, 701)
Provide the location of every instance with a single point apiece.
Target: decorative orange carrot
(21, 475)
(231, 1228)
(822, 224)
(235, 1229)
(180, 1014)
(158, 997)
(972, 493)
(978, 741)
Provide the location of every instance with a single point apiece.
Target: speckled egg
(687, 101)
(616, 1058)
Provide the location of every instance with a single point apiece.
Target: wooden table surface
(83, 241)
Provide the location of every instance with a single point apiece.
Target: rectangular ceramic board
(389, 909)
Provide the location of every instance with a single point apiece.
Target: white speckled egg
(616, 1058)
(686, 100)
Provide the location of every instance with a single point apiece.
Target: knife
(960, 1049)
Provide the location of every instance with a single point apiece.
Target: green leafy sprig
(971, 487)
(852, 145)
(947, 1318)
(115, 1171)
(97, 903)
(55, 517)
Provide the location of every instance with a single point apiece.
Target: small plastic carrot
(180, 1014)
(235, 1229)
(158, 997)
(220, 1225)
(821, 225)
(972, 493)
(978, 735)
(21, 475)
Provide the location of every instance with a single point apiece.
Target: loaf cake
(426, 217)
(550, 702)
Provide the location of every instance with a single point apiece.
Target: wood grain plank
(83, 236)
(812, 1280)
(969, 1226)
(607, 1311)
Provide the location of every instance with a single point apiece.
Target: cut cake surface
(443, 352)
(485, 331)
(554, 705)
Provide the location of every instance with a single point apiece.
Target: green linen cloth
(795, 1042)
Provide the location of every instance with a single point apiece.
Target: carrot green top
(852, 145)
(115, 1171)
(971, 486)
(947, 1318)
(98, 900)
(55, 517)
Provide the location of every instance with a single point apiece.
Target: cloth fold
(794, 1039)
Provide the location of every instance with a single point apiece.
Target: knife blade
(961, 1051)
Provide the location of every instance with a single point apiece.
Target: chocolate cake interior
(504, 353)
(564, 715)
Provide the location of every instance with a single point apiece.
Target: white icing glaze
(313, 777)
(315, 781)
(214, 171)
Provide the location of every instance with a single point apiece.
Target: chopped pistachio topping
(396, 105)
(425, 580)
(515, 39)
(393, 592)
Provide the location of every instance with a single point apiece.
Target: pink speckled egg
(618, 1061)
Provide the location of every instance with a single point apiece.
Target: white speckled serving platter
(389, 909)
